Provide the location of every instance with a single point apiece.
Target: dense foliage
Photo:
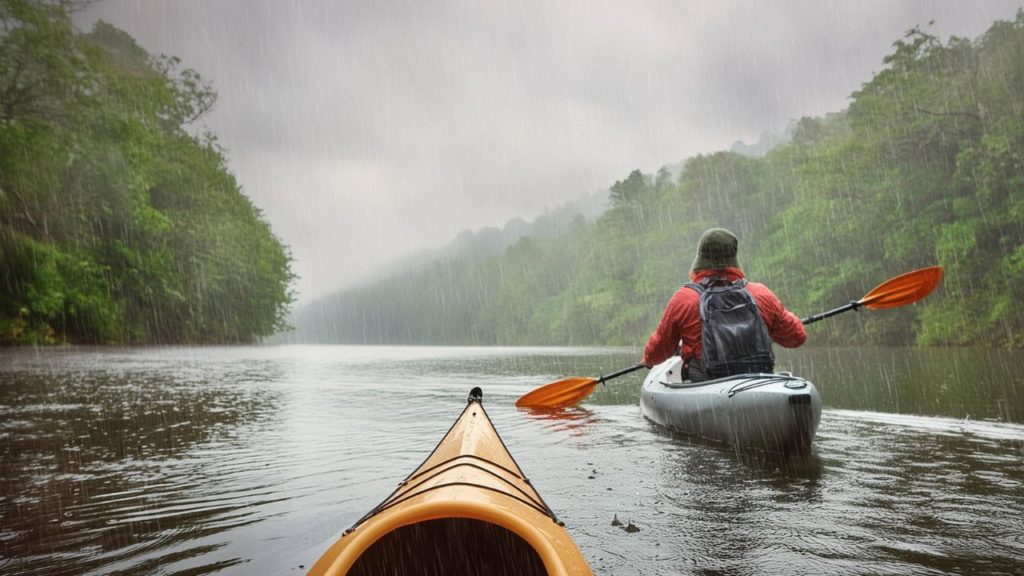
(925, 167)
(116, 223)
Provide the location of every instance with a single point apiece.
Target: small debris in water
(629, 527)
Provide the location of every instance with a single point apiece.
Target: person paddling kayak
(720, 323)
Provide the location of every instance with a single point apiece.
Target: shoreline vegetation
(119, 220)
(924, 167)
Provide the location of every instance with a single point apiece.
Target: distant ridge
(491, 241)
(466, 248)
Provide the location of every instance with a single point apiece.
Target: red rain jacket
(681, 320)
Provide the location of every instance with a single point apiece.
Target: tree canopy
(119, 220)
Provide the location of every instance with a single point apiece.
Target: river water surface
(254, 460)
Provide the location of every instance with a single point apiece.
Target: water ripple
(235, 460)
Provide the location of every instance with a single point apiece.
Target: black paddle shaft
(833, 312)
(621, 373)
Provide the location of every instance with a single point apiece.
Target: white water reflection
(936, 425)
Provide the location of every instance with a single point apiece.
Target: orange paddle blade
(558, 394)
(903, 289)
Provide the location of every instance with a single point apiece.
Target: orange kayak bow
(467, 509)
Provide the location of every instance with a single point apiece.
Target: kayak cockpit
(450, 546)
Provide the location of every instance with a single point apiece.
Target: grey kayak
(774, 412)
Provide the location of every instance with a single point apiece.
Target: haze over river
(255, 459)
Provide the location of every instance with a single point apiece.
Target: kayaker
(749, 316)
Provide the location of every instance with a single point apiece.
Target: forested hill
(489, 242)
(926, 166)
(116, 223)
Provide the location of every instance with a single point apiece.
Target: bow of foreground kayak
(774, 412)
(467, 509)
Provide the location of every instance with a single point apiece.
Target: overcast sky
(369, 130)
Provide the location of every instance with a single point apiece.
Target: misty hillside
(468, 250)
(926, 166)
(491, 241)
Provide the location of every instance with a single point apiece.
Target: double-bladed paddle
(893, 293)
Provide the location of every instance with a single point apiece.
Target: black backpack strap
(713, 282)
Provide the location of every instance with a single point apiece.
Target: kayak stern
(773, 412)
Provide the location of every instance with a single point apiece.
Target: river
(254, 459)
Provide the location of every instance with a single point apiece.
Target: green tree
(117, 223)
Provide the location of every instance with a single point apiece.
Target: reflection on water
(772, 464)
(957, 382)
(109, 462)
(568, 413)
(235, 460)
